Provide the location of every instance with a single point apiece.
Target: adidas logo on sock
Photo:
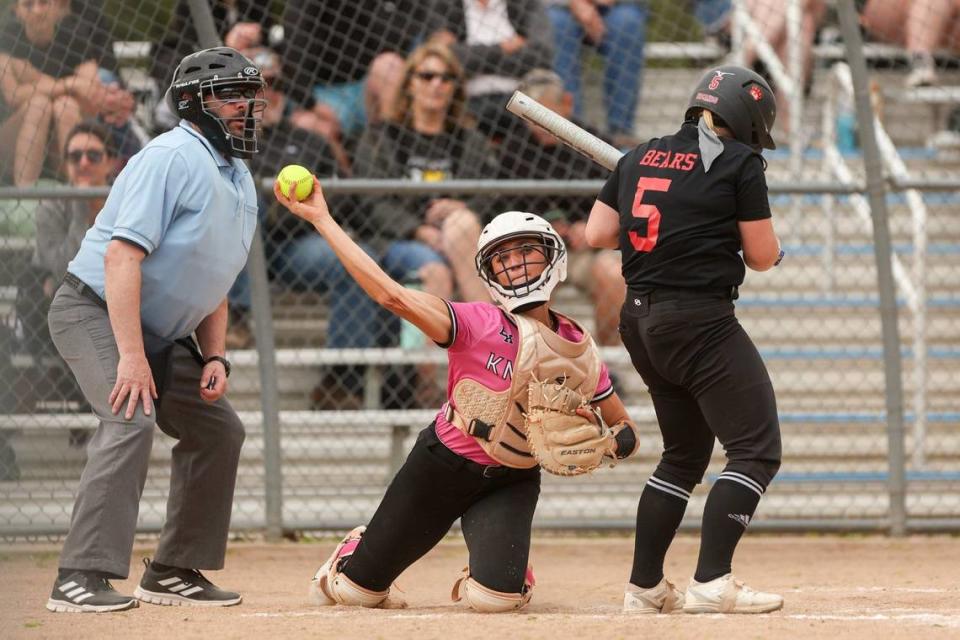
(741, 518)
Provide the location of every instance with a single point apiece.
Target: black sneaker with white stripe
(87, 592)
(187, 587)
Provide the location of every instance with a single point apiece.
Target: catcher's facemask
(513, 259)
(509, 246)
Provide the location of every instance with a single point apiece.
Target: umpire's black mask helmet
(221, 91)
(742, 98)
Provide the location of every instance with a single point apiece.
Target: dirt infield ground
(835, 587)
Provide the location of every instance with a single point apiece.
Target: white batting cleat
(726, 594)
(663, 598)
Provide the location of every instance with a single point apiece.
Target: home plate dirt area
(834, 586)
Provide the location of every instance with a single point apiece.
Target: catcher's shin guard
(329, 586)
(484, 600)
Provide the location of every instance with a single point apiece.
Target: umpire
(681, 209)
(152, 273)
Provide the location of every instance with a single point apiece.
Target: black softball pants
(706, 380)
(431, 490)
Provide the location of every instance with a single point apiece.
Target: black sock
(728, 511)
(658, 516)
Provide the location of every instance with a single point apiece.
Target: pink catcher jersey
(483, 348)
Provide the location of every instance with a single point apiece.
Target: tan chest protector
(495, 418)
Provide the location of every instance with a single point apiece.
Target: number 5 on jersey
(645, 243)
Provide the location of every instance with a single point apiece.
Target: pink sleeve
(469, 320)
(604, 384)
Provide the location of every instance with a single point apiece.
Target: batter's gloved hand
(566, 436)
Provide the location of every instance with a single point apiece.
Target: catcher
(526, 390)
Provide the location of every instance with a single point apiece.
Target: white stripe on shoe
(168, 581)
(83, 597)
(67, 586)
(191, 591)
(180, 587)
(75, 592)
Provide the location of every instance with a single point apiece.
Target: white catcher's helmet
(522, 295)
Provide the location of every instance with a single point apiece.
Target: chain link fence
(398, 107)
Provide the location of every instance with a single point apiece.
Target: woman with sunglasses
(422, 239)
(425, 140)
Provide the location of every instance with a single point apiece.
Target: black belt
(485, 470)
(664, 294)
(84, 289)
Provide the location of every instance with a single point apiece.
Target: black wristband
(221, 360)
(779, 258)
(626, 442)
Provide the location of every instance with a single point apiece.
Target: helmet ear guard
(520, 296)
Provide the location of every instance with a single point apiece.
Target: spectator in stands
(241, 24)
(299, 259)
(430, 241)
(618, 30)
(772, 19)
(91, 161)
(714, 18)
(425, 140)
(344, 57)
(922, 26)
(496, 41)
(49, 55)
(24, 128)
(528, 152)
(284, 123)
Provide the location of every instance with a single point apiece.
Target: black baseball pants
(707, 381)
(433, 488)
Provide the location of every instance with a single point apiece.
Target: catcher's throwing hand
(313, 209)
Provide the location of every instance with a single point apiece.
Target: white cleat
(316, 595)
(726, 594)
(319, 592)
(663, 598)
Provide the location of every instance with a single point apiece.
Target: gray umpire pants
(203, 465)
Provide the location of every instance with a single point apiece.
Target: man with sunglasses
(152, 273)
(91, 160)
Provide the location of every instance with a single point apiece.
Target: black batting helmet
(207, 79)
(744, 101)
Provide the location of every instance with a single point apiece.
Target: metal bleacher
(815, 321)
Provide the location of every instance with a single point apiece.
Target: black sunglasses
(430, 76)
(93, 155)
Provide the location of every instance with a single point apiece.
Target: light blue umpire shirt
(193, 212)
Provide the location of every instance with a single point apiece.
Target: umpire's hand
(134, 384)
(213, 381)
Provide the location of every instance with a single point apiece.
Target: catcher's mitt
(563, 441)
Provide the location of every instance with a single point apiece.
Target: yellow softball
(293, 175)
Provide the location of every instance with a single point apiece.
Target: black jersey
(678, 225)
